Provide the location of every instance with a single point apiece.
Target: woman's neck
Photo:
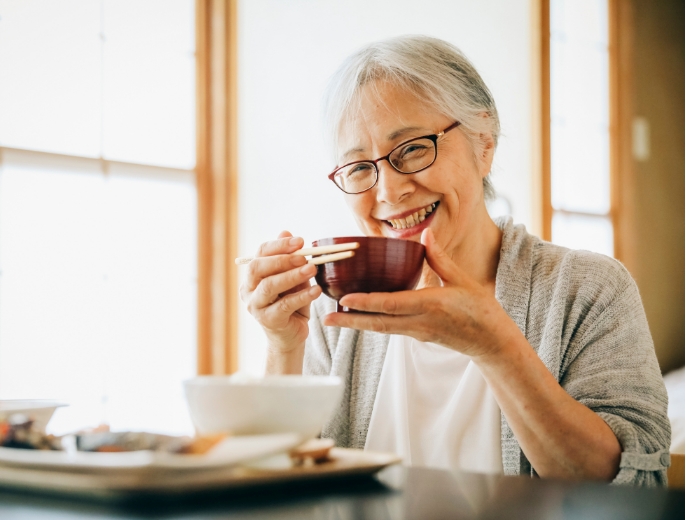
(478, 254)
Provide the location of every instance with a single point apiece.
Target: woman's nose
(392, 186)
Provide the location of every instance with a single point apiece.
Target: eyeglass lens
(410, 157)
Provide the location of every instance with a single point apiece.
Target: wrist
(504, 347)
(285, 359)
(284, 348)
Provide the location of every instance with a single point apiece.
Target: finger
(262, 267)
(373, 322)
(280, 246)
(269, 289)
(399, 303)
(439, 261)
(280, 311)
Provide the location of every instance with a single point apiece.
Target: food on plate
(314, 451)
(202, 444)
(136, 441)
(106, 441)
(18, 431)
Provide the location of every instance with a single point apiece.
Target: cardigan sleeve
(612, 369)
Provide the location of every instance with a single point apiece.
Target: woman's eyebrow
(350, 152)
(391, 137)
(398, 133)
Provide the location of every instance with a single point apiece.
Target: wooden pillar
(545, 166)
(217, 183)
(622, 181)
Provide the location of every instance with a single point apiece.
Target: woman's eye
(358, 169)
(412, 150)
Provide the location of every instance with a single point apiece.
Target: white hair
(434, 70)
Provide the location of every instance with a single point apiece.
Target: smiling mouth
(412, 220)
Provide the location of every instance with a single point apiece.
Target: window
(98, 269)
(580, 201)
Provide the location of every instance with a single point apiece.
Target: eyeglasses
(410, 156)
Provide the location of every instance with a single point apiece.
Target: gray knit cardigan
(581, 312)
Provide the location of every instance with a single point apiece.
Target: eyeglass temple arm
(454, 125)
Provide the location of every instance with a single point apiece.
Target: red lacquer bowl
(379, 265)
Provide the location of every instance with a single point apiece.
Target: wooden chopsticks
(320, 255)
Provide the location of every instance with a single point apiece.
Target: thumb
(439, 261)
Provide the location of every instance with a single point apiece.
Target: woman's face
(450, 191)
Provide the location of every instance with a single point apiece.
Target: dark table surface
(397, 493)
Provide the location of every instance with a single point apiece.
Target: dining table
(397, 492)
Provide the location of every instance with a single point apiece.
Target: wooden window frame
(545, 196)
(217, 184)
(621, 172)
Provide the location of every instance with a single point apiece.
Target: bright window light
(98, 269)
(579, 129)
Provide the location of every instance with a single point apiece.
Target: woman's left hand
(561, 437)
(461, 315)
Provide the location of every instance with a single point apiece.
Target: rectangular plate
(229, 452)
(115, 485)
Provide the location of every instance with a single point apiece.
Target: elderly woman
(513, 355)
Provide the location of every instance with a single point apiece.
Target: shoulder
(558, 288)
(596, 279)
(535, 270)
(582, 298)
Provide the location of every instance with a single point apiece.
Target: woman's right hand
(278, 294)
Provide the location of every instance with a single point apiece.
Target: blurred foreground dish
(244, 405)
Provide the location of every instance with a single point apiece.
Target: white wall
(288, 50)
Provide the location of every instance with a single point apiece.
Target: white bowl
(275, 404)
(40, 410)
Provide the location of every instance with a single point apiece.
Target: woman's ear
(487, 153)
(486, 150)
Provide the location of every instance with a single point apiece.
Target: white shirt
(433, 408)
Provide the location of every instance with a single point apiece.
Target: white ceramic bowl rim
(276, 380)
(29, 404)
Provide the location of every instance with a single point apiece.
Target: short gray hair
(436, 71)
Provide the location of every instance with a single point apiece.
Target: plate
(113, 485)
(231, 451)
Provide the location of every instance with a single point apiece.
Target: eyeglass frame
(433, 137)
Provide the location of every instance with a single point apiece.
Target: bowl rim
(29, 404)
(359, 238)
(269, 381)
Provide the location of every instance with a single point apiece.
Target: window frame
(619, 128)
(217, 184)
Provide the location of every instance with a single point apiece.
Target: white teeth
(414, 219)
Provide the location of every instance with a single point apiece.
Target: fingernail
(294, 241)
(308, 269)
(314, 290)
